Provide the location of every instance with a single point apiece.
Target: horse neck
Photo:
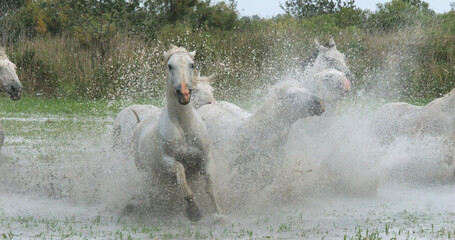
(265, 129)
(269, 119)
(310, 60)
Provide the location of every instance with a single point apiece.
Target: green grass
(68, 107)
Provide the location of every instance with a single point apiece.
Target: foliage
(400, 13)
(96, 23)
(40, 78)
(437, 57)
(8, 6)
(112, 48)
(311, 8)
(10, 23)
(220, 16)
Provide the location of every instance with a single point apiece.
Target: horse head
(203, 90)
(303, 103)
(333, 84)
(328, 57)
(180, 73)
(296, 101)
(8, 77)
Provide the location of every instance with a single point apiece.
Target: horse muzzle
(345, 85)
(15, 93)
(184, 97)
(317, 107)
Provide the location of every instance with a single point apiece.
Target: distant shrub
(437, 57)
(348, 17)
(403, 49)
(398, 14)
(36, 74)
(312, 8)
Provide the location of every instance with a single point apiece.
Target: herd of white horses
(179, 142)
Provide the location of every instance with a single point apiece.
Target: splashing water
(334, 180)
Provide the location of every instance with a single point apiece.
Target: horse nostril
(322, 107)
(318, 106)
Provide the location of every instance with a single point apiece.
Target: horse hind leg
(209, 190)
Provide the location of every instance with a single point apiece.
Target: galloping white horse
(326, 73)
(176, 143)
(248, 144)
(10, 83)
(437, 118)
(265, 131)
(128, 119)
(8, 77)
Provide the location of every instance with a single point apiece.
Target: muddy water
(61, 178)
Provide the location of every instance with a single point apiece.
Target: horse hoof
(220, 218)
(192, 211)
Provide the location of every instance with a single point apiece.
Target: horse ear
(332, 43)
(211, 78)
(192, 54)
(196, 73)
(197, 76)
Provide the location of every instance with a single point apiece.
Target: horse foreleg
(177, 168)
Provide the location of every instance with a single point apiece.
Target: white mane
(171, 51)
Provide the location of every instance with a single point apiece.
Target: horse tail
(137, 116)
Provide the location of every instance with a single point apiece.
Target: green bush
(397, 14)
(403, 49)
(437, 57)
(38, 77)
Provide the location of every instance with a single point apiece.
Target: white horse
(175, 144)
(203, 91)
(10, 83)
(332, 85)
(326, 73)
(223, 119)
(127, 119)
(262, 134)
(248, 144)
(436, 119)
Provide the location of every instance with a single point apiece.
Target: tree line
(103, 30)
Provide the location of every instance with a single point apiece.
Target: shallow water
(396, 211)
(60, 178)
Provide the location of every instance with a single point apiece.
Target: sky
(270, 8)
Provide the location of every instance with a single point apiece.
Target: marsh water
(60, 178)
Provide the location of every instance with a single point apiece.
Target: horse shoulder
(145, 143)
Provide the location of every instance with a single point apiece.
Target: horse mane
(310, 60)
(173, 50)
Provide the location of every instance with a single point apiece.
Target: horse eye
(169, 66)
(192, 66)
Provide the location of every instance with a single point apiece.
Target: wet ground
(396, 212)
(60, 179)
